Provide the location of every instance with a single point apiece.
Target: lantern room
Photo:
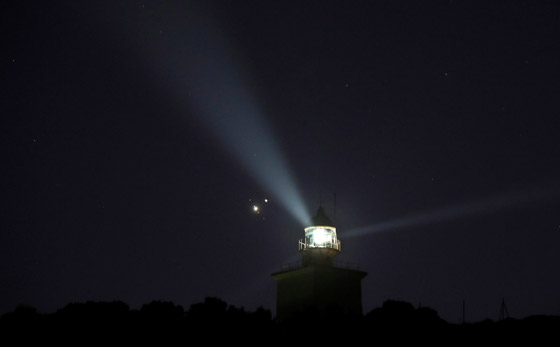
(320, 244)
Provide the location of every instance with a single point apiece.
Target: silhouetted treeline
(214, 319)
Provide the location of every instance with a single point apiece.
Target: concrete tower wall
(318, 287)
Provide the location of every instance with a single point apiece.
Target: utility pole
(463, 311)
(503, 311)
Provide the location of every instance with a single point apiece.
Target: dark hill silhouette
(22, 313)
(93, 311)
(162, 311)
(216, 320)
(400, 313)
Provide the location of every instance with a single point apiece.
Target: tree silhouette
(162, 311)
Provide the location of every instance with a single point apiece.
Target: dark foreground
(214, 320)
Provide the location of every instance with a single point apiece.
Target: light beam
(203, 71)
(478, 207)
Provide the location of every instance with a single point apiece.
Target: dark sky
(135, 133)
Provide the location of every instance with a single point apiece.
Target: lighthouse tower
(318, 285)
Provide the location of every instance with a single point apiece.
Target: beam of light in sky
(479, 207)
(204, 73)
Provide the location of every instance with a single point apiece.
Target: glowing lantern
(320, 244)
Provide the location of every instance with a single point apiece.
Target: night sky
(136, 137)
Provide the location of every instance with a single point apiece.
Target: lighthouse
(317, 284)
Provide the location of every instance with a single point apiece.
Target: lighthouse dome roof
(321, 218)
